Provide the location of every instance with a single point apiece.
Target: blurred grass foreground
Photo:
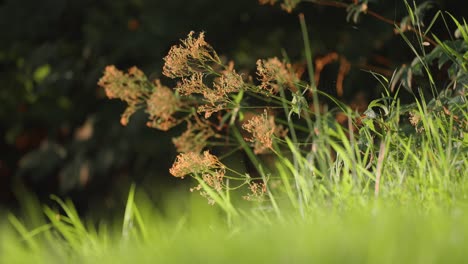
(358, 232)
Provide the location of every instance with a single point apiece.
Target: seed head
(262, 128)
(189, 57)
(196, 164)
(131, 87)
(195, 138)
(161, 106)
(273, 73)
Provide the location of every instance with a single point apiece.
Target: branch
(373, 14)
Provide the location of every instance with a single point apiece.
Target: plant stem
(371, 13)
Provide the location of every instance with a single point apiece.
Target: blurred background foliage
(59, 134)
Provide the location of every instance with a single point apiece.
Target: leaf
(41, 73)
(371, 114)
(298, 102)
(403, 76)
(355, 10)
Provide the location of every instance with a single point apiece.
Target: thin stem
(256, 162)
(371, 13)
(380, 161)
(310, 68)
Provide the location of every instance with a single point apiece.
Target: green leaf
(41, 73)
(298, 102)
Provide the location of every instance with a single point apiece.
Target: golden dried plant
(257, 191)
(205, 166)
(196, 63)
(132, 87)
(192, 56)
(229, 81)
(192, 163)
(262, 129)
(217, 98)
(273, 73)
(214, 179)
(161, 106)
(195, 138)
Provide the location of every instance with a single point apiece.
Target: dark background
(59, 134)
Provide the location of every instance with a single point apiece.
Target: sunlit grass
(362, 231)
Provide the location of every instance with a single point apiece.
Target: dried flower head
(161, 106)
(125, 117)
(216, 97)
(257, 191)
(229, 82)
(131, 87)
(262, 128)
(192, 85)
(214, 179)
(196, 164)
(215, 101)
(189, 57)
(273, 73)
(210, 109)
(195, 138)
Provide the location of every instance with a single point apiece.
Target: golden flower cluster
(195, 61)
(195, 138)
(214, 179)
(273, 73)
(207, 85)
(192, 84)
(189, 57)
(263, 128)
(192, 163)
(203, 165)
(124, 86)
(131, 87)
(228, 82)
(217, 98)
(161, 106)
(135, 89)
(257, 191)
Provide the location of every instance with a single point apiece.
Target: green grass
(365, 232)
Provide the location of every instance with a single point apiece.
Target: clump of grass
(363, 232)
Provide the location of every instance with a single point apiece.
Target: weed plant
(386, 185)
